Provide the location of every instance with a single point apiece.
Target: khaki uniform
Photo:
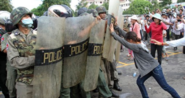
(20, 50)
(126, 26)
(11, 72)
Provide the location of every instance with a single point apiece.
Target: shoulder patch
(16, 33)
(12, 36)
(2, 39)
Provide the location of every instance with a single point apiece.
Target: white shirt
(143, 25)
(168, 21)
(177, 30)
(175, 43)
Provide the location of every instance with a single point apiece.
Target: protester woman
(144, 62)
(156, 28)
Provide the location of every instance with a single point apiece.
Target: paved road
(174, 71)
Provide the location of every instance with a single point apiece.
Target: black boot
(95, 90)
(116, 86)
(6, 96)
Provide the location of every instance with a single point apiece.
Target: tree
(39, 10)
(47, 3)
(106, 5)
(155, 4)
(81, 4)
(138, 7)
(6, 5)
(165, 2)
(93, 6)
(179, 1)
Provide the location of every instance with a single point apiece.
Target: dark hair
(2, 24)
(179, 15)
(181, 10)
(158, 19)
(132, 36)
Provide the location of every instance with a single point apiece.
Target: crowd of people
(18, 40)
(173, 20)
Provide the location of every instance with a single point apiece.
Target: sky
(30, 4)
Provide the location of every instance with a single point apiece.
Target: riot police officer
(20, 50)
(109, 66)
(11, 72)
(61, 11)
(3, 57)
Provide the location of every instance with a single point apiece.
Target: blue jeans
(157, 73)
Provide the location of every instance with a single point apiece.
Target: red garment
(156, 31)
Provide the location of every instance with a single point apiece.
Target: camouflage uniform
(20, 50)
(126, 26)
(11, 72)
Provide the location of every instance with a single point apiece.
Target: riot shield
(110, 44)
(75, 45)
(95, 50)
(120, 24)
(48, 61)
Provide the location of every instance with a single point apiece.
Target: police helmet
(60, 11)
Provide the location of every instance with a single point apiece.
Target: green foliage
(106, 5)
(179, 1)
(47, 3)
(93, 6)
(165, 2)
(138, 7)
(39, 10)
(155, 5)
(81, 4)
(6, 5)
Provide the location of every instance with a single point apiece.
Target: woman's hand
(111, 28)
(156, 42)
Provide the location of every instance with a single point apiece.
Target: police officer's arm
(3, 43)
(17, 61)
(88, 28)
